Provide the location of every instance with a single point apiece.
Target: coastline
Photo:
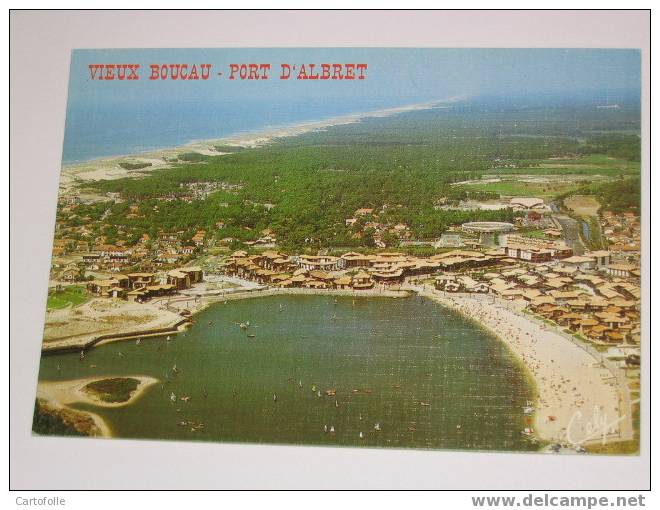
(107, 168)
(57, 396)
(577, 403)
(167, 321)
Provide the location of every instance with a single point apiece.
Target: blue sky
(394, 75)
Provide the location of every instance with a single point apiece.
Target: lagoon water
(383, 356)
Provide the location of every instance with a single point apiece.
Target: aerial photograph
(428, 248)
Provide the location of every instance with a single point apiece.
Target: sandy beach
(75, 327)
(108, 168)
(71, 392)
(56, 396)
(578, 400)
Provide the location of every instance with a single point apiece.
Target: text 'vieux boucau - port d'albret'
(246, 71)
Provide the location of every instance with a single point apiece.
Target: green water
(396, 352)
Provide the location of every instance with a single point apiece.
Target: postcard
(358, 247)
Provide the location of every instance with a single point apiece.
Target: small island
(113, 390)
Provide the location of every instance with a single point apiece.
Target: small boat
(251, 335)
(182, 423)
(313, 387)
(168, 338)
(331, 392)
(281, 308)
(361, 435)
(360, 417)
(325, 429)
(458, 427)
(274, 397)
(528, 410)
(82, 355)
(332, 429)
(336, 403)
(242, 325)
(174, 369)
(299, 384)
(377, 427)
(92, 366)
(59, 368)
(185, 398)
(137, 342)
(318, 394)
(172, 397)
(120, 354)
(425, 404)
(527, 431)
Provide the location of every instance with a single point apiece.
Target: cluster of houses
(535, 250)
(142, 287)
(379, 229)
(95, 254)
(192, 191)
(586, 294)
(352, 270)
(623, 233)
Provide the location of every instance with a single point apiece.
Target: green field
(72, 295)
(515, 188)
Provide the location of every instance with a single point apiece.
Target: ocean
(101, 129)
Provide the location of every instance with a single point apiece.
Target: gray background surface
(40, 49)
